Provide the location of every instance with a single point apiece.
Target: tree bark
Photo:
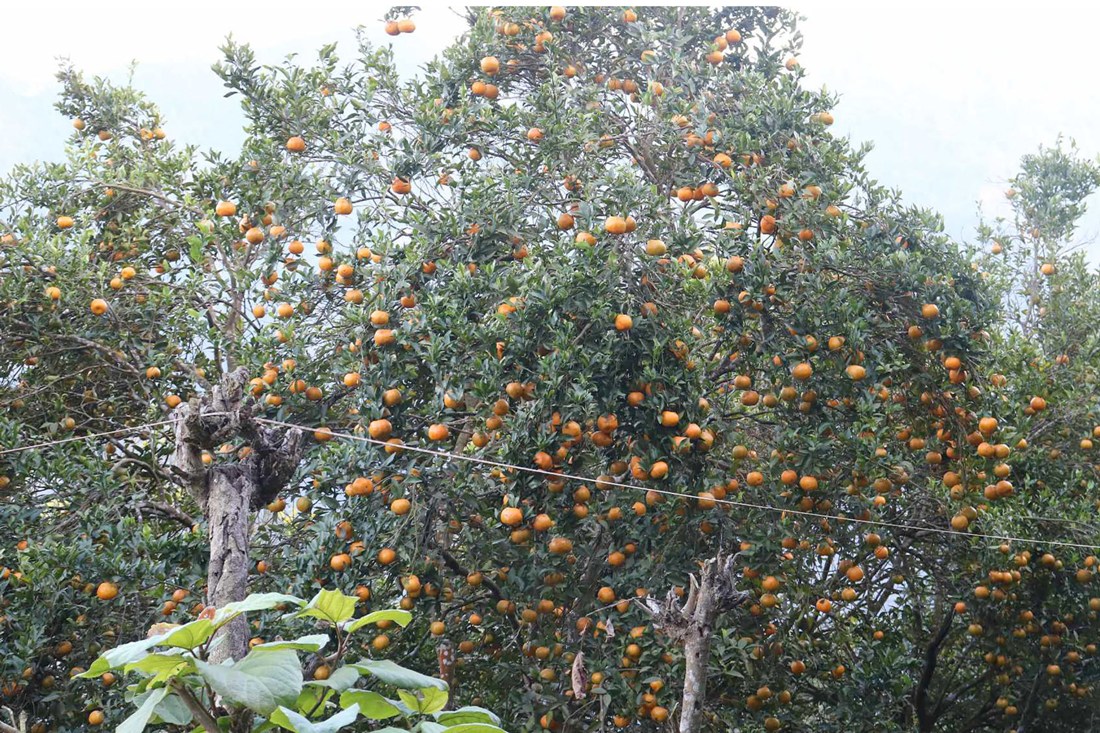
(692, 626)
(229, 492)
(227, 515)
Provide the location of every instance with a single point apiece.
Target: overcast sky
(951, 94)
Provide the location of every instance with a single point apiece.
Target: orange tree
(594, 299)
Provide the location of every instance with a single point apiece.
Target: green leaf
(467, 714)
(254, 602)
(427, 701)
(398, 676)
(261, 681)
(161, 666)
(120, 656)
(137, 720)
(330, 605)
(370, 704)
(427, 726)
(190, 635)
(399, 617)
(340, 679)
(475, 728)
(311, 643)
(173, 711)
(291, 720)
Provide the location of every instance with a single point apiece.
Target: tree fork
(229, 493)
(691, 625)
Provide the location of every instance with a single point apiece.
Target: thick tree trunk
(692, 625)
(229, 492)
(696, 656)
(227, 521)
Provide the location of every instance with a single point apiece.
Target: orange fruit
(490, 65)
(105, 591)
(615, 225)
(295, 144)
(560, 545)
(225, 208)
(802, 371)
(98, 306)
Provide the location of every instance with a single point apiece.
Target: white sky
(951, 94)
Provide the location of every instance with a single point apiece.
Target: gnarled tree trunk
(692, 626)
(229, 492)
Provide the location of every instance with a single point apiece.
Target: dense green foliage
(618, 245)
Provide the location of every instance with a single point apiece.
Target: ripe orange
(490, 65)
(802, 371)
(295, 144)
(615, 225)
(105, 591)
(98, 306)
(64, 222)
(225, 208)
(623, 322)
(342, 206)
(511, 516)
(439, 432)
(560, 545)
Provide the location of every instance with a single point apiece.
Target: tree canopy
(591, 346)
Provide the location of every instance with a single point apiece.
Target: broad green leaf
(291, 720)
(426, 701)
(161, 667)
(467, 714)
(475, 728)
(173, 711)
(399, 617)
(311, 643)
(261, 681)
(330, 605)
(190, 635)
(398, 676)
(427, 726)
(340, 680)
(311, 698)
(254, 602)
(371, 704)
(137, 720)
(120, 656)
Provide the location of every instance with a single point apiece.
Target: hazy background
(952, 95)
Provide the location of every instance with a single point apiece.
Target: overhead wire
(601, 482)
